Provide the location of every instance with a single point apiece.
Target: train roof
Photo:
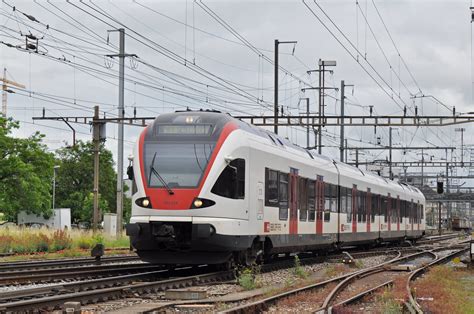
(219, 119)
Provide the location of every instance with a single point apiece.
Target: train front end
(188, 203)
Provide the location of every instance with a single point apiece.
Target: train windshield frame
(180, 164)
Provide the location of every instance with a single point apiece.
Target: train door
(319, 204)
(293, 201)
(369, 208)
(411, 214)
(354, 208)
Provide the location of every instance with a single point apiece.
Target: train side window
(384, 208)
(328, 201)
(311, 200)
(375, 207)
(422, 212)
(343, 205)
(393, 207)
(271, 187)
(231, 181)
(334, 198)
(349, 204)
(283, 196)
(327, 197)
(303, 199)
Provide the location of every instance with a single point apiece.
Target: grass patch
(335, 270)
(452, 290)
(60, 242)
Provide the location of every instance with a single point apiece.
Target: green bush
(298, 269)
(247, 277)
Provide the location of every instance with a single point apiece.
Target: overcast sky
(433, 38)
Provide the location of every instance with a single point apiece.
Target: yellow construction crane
(5, 90)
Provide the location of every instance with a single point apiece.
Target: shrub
(60, 241)
(298, 269)
(5, 243)
(247, 277)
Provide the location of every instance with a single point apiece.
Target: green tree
(26, 170)
(75, 180)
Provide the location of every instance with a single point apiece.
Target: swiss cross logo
(266, 226)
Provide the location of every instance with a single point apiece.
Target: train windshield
(180, 165)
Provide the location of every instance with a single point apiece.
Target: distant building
(61, 219)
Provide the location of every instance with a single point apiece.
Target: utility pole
(390, 174)
(343, 97)
(120, 133)
(275, 95)
(275, 91)
(345, 157)
(5, 90)
(321, 69)
(307, 120)
(96, 140)
(307, 116)
(462, 142)
(341, 149)
(121, 110)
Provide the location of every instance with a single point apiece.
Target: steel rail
(390, 282)
(52, 302)
(58, 263)
(418, 272)
(260, 305)
(363, 273)
(51, 275)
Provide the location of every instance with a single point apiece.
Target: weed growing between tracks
(299, 270)
(248, 277)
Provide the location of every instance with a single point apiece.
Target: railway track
(62, 263)
(93, 291)
(72, 273)
(327, 292)
(120, 286)
(52, 302)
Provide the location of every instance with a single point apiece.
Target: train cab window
(303, 199)
(311, 201)
(271, 187)
(283, 196)
(231, 181)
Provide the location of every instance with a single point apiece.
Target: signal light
(439, 187)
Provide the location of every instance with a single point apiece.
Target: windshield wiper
(153, 170)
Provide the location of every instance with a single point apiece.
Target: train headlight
(201, 203)
(143, 202)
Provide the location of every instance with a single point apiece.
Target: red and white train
(209, 188)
